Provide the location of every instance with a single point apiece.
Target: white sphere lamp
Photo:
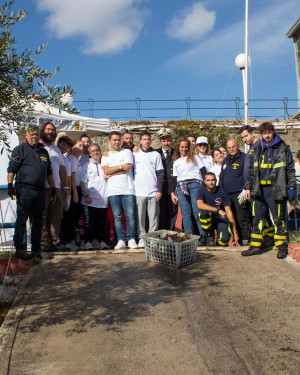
(240, 61)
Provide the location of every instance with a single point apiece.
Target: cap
(165, 132)
(202, 140)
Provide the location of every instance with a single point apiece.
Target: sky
(163, 49)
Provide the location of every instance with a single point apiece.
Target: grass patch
(294, 237)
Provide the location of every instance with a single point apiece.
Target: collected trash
(172, 248)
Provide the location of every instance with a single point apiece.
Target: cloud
(106, 26)
(192, 23)
(268, 43)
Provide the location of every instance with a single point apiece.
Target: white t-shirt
(57, 160)
(207, 161)
(145, 167)
(187, 171)
(216, 169)
(75, 167)
(68, 166)
(92, 174)
(121, 184)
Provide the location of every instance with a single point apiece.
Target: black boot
(251, 251)
(282, 253)
(267, 243)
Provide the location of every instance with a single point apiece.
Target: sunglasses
(202, 144)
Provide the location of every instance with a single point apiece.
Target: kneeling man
(215, 212)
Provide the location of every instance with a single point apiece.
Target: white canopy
(65, 121)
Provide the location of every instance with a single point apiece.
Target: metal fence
(191, 109)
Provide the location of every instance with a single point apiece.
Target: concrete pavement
(117, 314)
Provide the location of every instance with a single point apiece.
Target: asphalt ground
(117, 314)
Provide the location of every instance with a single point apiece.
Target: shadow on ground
(109, 290)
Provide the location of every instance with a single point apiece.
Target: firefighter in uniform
(271, 181)
(31, 165)
(232, 181)
(215, 213)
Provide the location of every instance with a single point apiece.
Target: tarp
(65, 121)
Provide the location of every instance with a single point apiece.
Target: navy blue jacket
(232, 173)
(30, 165)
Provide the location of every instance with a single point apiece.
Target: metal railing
(192, 109)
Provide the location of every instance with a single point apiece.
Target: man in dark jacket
(168, 210)
(232, 181)
(271, 181)
(30, 164)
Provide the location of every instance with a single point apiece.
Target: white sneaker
(132, 244)
(95, 244)
(88, 246)
(71, 246)
(103, 246)
(141, 243)
(120, 245)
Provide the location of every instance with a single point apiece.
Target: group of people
(239, 195)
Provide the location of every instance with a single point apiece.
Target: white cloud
(192, 23)
(268, 44)
(106, 26)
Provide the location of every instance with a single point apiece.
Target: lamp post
(242, 61)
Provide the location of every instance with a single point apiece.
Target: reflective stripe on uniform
(253, 208)
(254, 235)
(278, 243)
(266, 165)
(265, 182)
(256, 244)
(276, 237)
(279, 165)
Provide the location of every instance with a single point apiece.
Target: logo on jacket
(43, 158)
(235, 165)
(218, 201)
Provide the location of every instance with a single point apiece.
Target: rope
(278, 40)
(226, 88)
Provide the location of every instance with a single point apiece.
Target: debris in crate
(178, 237)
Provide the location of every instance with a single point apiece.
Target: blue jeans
(188, 206)
(126, 202)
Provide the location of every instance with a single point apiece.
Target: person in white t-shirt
(202, 152)
(148, 182)
(53, 211)
(189, 170)
(86, 140)
(120, 189)
(218, 158)
(94, 200)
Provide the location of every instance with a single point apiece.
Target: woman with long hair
(189, 171)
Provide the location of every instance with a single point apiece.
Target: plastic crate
(176, 254)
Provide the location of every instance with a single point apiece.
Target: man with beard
(271, 181)
(31, 165)
(127, 141)
(53, 208)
